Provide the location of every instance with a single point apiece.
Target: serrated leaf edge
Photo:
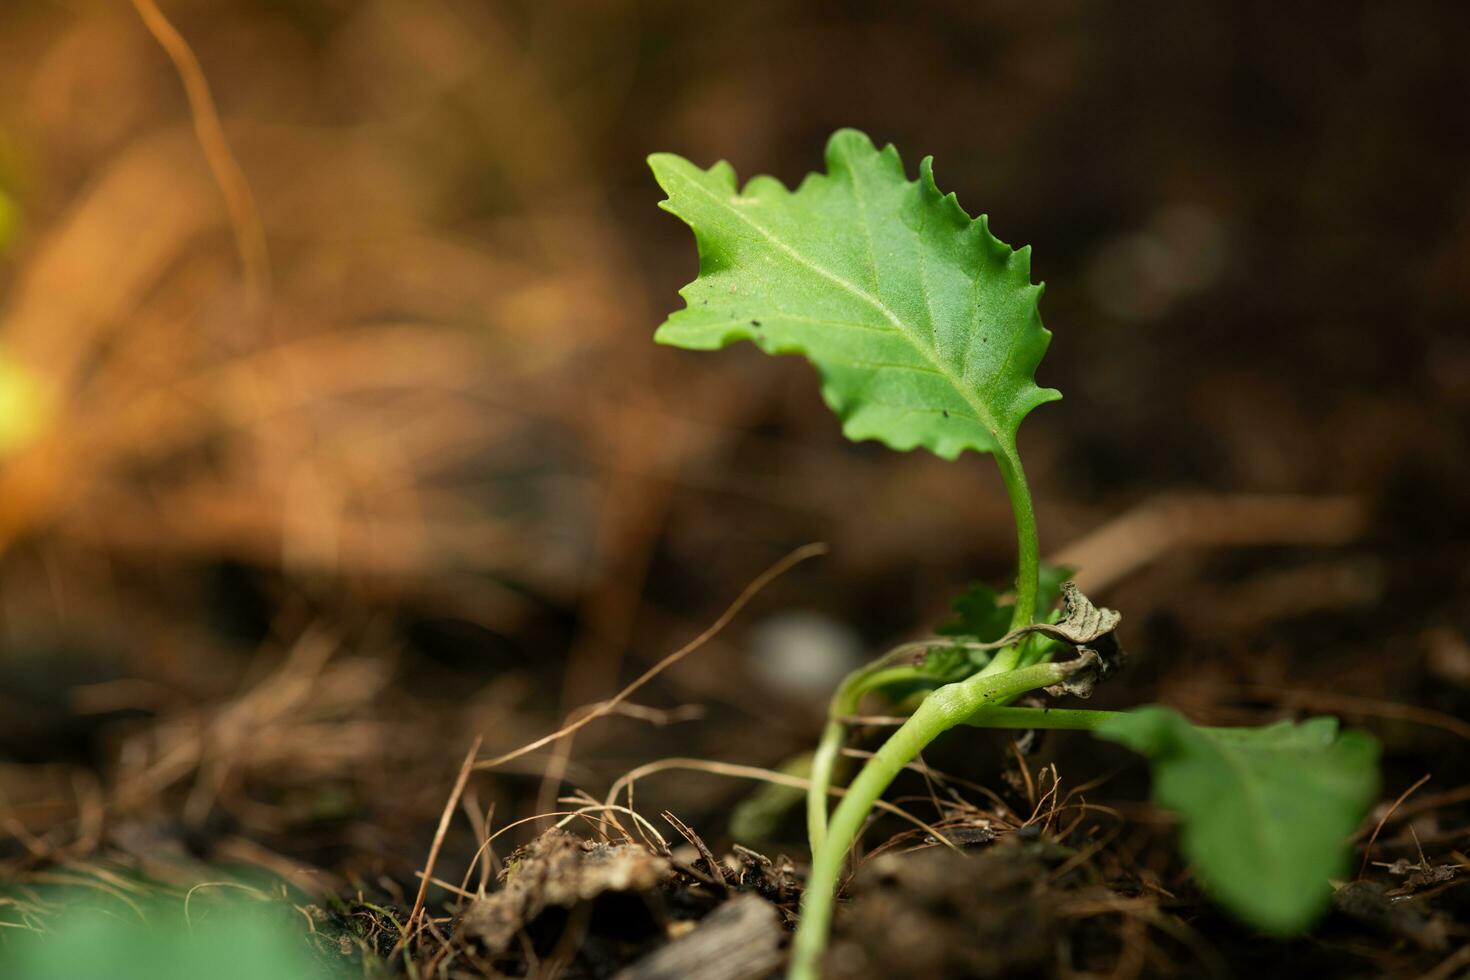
(667, 166)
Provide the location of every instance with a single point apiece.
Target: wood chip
(741, 940)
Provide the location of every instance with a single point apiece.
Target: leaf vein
(961, 386)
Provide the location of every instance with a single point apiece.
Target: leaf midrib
(982, 413)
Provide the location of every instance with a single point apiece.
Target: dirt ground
(347, 452)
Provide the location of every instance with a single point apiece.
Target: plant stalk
(1028, 558)
(828, 754)
(947, 707)
(1028, 544)
(1067, 719)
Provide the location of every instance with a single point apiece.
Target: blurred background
(335, 436)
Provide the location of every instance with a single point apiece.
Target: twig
(1368, 850)
(444, 818)
(1164, 523)
(607, 707)
(1450, 966)
(750, 772)
(244, 217)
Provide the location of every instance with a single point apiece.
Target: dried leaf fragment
(1082, 623)
(558, 869)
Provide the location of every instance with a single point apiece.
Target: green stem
(1028, 557)
(947, 707)
(824, 768)
(1070, 719)
(825, 759)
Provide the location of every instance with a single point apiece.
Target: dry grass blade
(1373, 838)
(250, 890)
(244, 218)
(697, 842)
(608, 707)
(756, 773)
(658, 844)
(459, 784)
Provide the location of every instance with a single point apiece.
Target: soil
(282, 551)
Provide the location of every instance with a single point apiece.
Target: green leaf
(921, 324)
(981, 616)
(1266, 812)
(232, 942)
(949, 664)
(979, 613)
(1049, 581)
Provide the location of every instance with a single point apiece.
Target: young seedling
(924, 331)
